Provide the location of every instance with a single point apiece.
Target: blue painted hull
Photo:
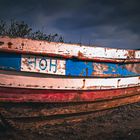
(72, 67)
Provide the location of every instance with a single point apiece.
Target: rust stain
(93, 87)
(9, 44)
(131, 85)
(99, 69)
(1, 43)
(105, 75)
(133, 68)
(118, 82)
(32, 85)
(25, 61)
(100, 87)
(29, 68)
(83, 83)
(104, 87)
(22, 44)
(80, 54)
(42, 64)
(2, 84)
(131, 54)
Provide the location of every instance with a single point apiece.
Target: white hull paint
(35, 81)
(63, 49)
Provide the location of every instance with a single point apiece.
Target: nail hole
(1, 43)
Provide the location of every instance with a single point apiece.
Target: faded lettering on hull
(42, 65)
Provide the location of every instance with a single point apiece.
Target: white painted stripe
(92, 52)
(15, 79)
(75, 50)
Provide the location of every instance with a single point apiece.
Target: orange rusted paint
(131, 54)
(133, 67)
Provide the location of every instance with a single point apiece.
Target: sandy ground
(121, 124)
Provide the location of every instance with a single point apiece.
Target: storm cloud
(110, 23)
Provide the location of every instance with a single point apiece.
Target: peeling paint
(28, 95)
(14, 79)
(67, 67)
(1, 43)
(9, 44)
(55, 49)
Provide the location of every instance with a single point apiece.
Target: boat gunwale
(67, 56)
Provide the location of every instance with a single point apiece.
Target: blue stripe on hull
(10, 61)
(76, 67)
(81, 68)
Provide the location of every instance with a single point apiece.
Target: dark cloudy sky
(111, 23)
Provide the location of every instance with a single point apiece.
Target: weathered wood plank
(29, 46)
(75, 109)
(31, 95)
(35, 81)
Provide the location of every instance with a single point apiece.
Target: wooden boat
(52, 72)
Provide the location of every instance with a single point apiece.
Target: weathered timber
(55, 49)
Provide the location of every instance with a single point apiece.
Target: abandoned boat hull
(39, 71)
